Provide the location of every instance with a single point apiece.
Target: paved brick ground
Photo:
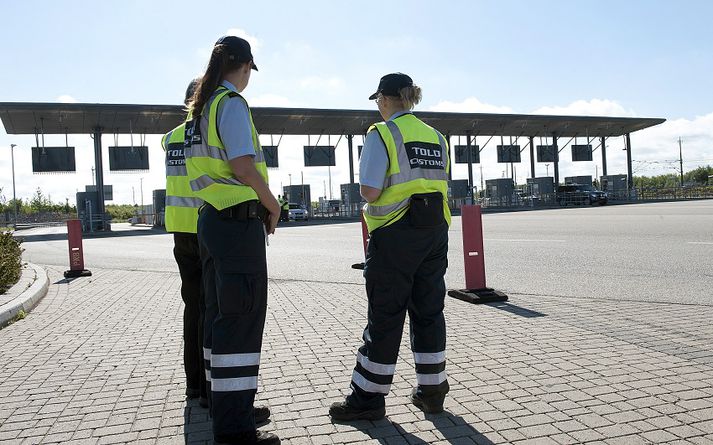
(99, 361)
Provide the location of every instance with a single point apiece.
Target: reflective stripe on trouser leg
(371, 376)
(238, 252)
(206, 361)
(428, 326)
(210, 302)
(430, 368)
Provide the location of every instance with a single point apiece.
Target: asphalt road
(659, 252)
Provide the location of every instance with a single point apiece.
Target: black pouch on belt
(426, 210)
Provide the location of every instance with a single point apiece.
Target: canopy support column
(450, 162)
(350, 139)
(629, 170)
(99, 171)
(532, 157)
(604, 156)
(557, 159)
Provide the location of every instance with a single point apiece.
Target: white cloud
(470, 105)
(655, 151)
(255, 43)
(329, 85)
(204, 52)
(593, 107)
(270, 100)
(66, 99)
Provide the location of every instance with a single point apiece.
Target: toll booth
(541, 190)
(351, 198)
(499, 192)
(159, 205)
(457, 193)
(298, 194)
(584, 180)
(87, 205)
(616, 186)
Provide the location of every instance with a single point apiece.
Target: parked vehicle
(297, 213)
(580, 194)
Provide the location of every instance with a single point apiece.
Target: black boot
(262, 415)
(345, 411)
(430, 400)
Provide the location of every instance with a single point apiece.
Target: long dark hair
(219, 64)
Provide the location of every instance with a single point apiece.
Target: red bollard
(474, 260)
(365, 241)
(76, 254)
(364, 233)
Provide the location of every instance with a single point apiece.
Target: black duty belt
(244, 211)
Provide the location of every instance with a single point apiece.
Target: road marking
(701, 243)
(527, 240)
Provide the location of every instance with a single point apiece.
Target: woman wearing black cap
(226, 168)
(403, 175)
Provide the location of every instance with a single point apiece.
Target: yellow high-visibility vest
(181, 213)
(418, 163)
(211, 177)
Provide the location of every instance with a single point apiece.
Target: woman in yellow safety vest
(403, 175)
(227, 170)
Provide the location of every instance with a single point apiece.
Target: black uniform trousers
(404, 272)
(235, 279)
(187, 255)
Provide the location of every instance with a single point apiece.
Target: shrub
(10, 261)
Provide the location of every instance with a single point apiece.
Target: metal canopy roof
(75, 118)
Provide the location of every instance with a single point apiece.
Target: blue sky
(633, 58)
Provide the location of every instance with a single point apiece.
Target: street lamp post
(14, 197)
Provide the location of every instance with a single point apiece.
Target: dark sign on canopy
(319, 156)
(128, 158)
(53, 160)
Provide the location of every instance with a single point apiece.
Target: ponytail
(219, 64)
(410, 96)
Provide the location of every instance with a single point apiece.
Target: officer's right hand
(274, 208)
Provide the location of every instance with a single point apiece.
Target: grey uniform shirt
(374, 159)
(234, 125)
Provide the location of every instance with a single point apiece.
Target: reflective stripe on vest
(211, 177)
(423, 170)
(181, 212)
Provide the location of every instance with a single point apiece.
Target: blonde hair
(410, 96)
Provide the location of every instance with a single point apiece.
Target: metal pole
(14, 197)
(450, 168)
(680, 157)
(532, 156)
(141, 191)
(604, 156)
(99, 174)
(629, 169)
(557, 158)
(350, 139)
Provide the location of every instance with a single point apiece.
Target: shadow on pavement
(517, 310)
(452, 427)
(114, 234)
(197, 428)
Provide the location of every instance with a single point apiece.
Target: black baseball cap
(390, 84)
(238, 49)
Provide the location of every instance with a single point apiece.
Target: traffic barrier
(477, 292)
(76, 253)
(365, 241)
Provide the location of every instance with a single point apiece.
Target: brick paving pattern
(98, 361)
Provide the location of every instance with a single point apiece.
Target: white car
(297, 213)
